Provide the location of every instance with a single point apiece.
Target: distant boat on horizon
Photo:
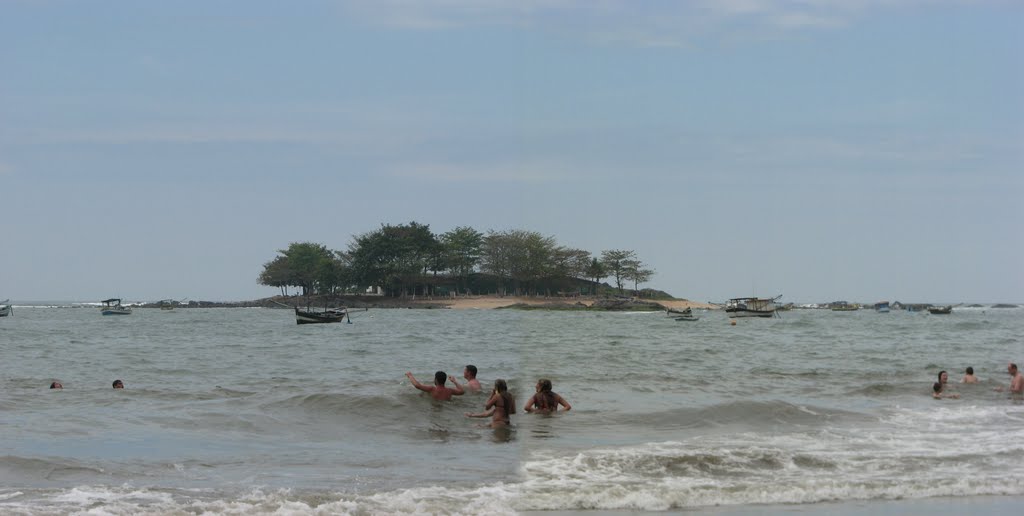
(751, 307)
(6, 308)
(843, 306)
(882, 307)
(685, 314)
(170, 304)
(113, 306)
(939, 310)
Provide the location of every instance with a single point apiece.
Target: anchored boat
(751, 307)
(113, 306)
(332, 315)
(685, 314)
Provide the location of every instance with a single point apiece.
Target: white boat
(751, 307)
(6, 309)
(882, 307)
(113, 306)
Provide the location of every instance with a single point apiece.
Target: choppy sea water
(243, 411)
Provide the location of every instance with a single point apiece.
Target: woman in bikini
(500, 406)
(545, 400)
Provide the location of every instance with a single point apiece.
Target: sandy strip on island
(490, 302)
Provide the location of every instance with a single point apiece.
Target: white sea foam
(794, 468)
(496, 499)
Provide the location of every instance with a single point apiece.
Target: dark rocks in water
(1004, 305)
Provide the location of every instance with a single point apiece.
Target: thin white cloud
(537, 172)
(648, 24)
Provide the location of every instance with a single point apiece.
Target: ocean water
(241, 411)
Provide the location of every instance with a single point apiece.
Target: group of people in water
(939, 390)
(118, 384)
(500, 404)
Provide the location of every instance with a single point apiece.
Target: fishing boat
(843, 306)
(751, 307)
(685, 314)
(113, 306)
(332, 315)
(940, 310)
(6, 308)
(882, 307)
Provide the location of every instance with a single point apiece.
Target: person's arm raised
(457, 391)
(416, 384)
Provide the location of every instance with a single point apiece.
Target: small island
(409, 266)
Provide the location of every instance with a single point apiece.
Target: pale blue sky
(860, 150)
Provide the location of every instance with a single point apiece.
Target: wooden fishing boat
(6, 308)
(843, 306)
(751, 307)
(332, 315)
(685, 314)
(940, 310)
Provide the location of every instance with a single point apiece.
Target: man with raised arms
(438, 391)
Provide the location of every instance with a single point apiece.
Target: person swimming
(56, 385)
(937, 391)
(438, 391)
(545, 400)
(472, 384)
(969, 376)
(118, 384)
(500, 406)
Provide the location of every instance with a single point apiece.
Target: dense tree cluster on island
(409, 259)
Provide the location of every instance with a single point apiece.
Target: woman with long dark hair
(500, 406)
(545, 400)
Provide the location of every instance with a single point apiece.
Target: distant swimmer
(969, 376)
(118, 384)
(438, 391)
(937, 393)
(545, 400)
(56, 385)
(472, 384)
(500, 406)
(1016, 380)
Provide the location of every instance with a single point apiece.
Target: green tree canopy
(394, 257)
(615, 263)
(310, 266)
(462, 248)
(409, 258)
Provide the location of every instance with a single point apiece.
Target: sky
(861, 150)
